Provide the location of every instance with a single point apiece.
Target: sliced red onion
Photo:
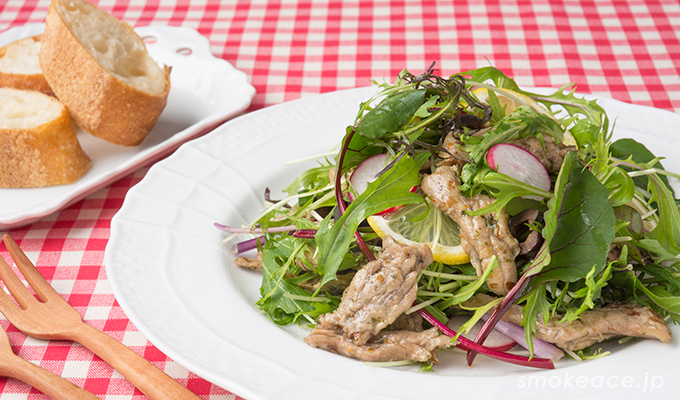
(251, 244)
(542, 348)
(247, 245)
(469, 345)
(496, 341)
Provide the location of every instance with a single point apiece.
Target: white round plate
(178, 285)
(205, 92)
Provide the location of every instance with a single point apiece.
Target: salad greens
(610, 227)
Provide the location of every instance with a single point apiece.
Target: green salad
(603, 225)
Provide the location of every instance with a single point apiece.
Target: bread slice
(100, 69)
(38, 144)
(20, 66)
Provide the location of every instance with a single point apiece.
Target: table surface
(628, 50)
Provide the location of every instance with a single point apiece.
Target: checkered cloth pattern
(628, 50)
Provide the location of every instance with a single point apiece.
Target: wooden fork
(51, 317)
(47, 382)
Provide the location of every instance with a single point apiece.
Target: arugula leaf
(389, 190)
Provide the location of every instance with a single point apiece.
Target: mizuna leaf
(281, 309)
(494, 74)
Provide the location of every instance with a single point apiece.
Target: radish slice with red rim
(367, 171)
(519, 164)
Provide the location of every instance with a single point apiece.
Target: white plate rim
(295, 379)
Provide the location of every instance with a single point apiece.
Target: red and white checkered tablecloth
(628, 50)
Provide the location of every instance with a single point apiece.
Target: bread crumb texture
(100, 69)
(113, 44)
(38, 144)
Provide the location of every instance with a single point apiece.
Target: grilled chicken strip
(387, 346)
(592, 326)
(597, 325)
(548, 152)
(380, 292)
(376, 299)
(250, 263)
(483, 236)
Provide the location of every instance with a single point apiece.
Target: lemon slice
(407, 226)
(511, 103)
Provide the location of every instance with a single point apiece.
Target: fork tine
(14, 284)
(42, 288)
(7, 306)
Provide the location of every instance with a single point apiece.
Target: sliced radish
(366, 172)
(496, 340)
(519, 164)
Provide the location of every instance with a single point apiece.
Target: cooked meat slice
(453, 155)
(387, 346)
(379, 292)
(250, 263)
(518, 228)
(407, 322)
(377, 297)
(598, 324)
(549, 153)
(483, 236)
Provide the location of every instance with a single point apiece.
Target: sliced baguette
(38, 144)
(20, 66)
(100, 69)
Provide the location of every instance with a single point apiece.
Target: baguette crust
(27, 81)
(101, 103)
(40, 155)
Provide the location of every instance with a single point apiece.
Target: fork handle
(47, 382)
(154, 383)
